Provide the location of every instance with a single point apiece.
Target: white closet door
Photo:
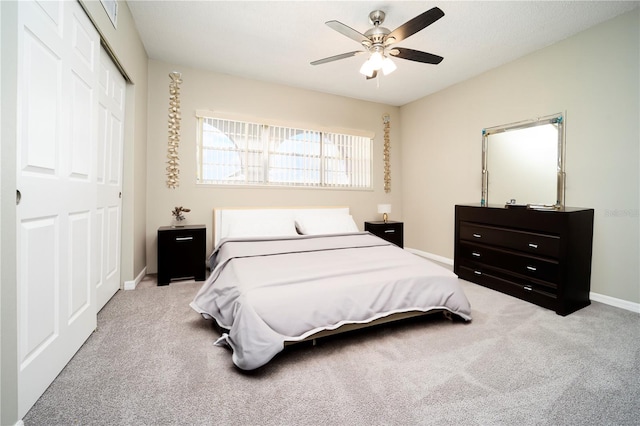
(57, 121)
(111, 99)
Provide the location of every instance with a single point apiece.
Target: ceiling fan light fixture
(388, 66)
(366, 68)
(376, 59)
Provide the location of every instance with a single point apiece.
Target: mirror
(523, 163)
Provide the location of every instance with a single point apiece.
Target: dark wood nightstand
(181, 253)
(390, 231)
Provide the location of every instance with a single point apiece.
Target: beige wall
(224, 93)
(125, 44)
(593, 77)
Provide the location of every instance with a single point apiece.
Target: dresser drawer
(512, 262)
(521, 288)
(528, 242)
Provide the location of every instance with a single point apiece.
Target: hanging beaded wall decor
(387, 153)
(173, 162)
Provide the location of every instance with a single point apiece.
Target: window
(234, 152)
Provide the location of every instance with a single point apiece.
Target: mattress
(271, 290)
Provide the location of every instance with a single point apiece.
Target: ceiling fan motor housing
(377, 33)
(377, 17)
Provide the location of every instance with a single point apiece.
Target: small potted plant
(178, 216)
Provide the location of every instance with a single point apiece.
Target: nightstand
(390, 231)
(181, 253)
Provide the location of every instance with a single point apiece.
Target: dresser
(390, 230)
(181, 253)
(543, 257)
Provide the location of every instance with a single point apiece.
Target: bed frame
(222, 217)
(357, 326)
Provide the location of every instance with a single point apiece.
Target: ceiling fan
(378, 42)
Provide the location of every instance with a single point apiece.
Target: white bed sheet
(267, 291)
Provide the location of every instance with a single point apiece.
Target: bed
(280, 276)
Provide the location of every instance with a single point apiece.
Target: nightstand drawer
(389, 231)
(181, 253)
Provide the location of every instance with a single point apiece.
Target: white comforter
(268, 291)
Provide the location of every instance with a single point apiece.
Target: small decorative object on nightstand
(391, 231)
(178, 216)
(181, 253)
(384, 209)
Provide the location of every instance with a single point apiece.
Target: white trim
(111, 7)
(431, 256)
(131, 285)
(618, 303)
(607, 300)
(203, 113)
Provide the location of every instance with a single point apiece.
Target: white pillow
(264, 227)
(326, 224)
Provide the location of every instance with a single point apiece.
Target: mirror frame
(549, 119)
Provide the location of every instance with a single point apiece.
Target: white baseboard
(431, 256)
(131, 285)
(618, 303)
(607, 300)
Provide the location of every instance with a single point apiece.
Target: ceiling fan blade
(374, 75)
(349, 32)
(337, 57)
(416, 55)
(414, 25)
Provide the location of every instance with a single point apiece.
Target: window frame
(363, 161)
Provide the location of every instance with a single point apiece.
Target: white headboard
(223, 217)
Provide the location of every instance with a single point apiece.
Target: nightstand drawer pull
(475, 254)
(184, 238)
(532, 268)
(477, 272)
(528, 287)
(477, 236)
(533, 246)
(389, 231)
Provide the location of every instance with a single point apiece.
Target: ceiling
(275, 41)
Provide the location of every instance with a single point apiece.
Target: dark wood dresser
(181, 253)
(543, 257)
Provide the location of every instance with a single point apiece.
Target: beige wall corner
(442, 143)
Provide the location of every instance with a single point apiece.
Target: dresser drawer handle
(477, 272)
(532, 268)
(389, 231)
(528, 288)
(475, 253)
(477, 235)
(533, 246)
(184, 238)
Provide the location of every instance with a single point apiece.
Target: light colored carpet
(152, 362)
